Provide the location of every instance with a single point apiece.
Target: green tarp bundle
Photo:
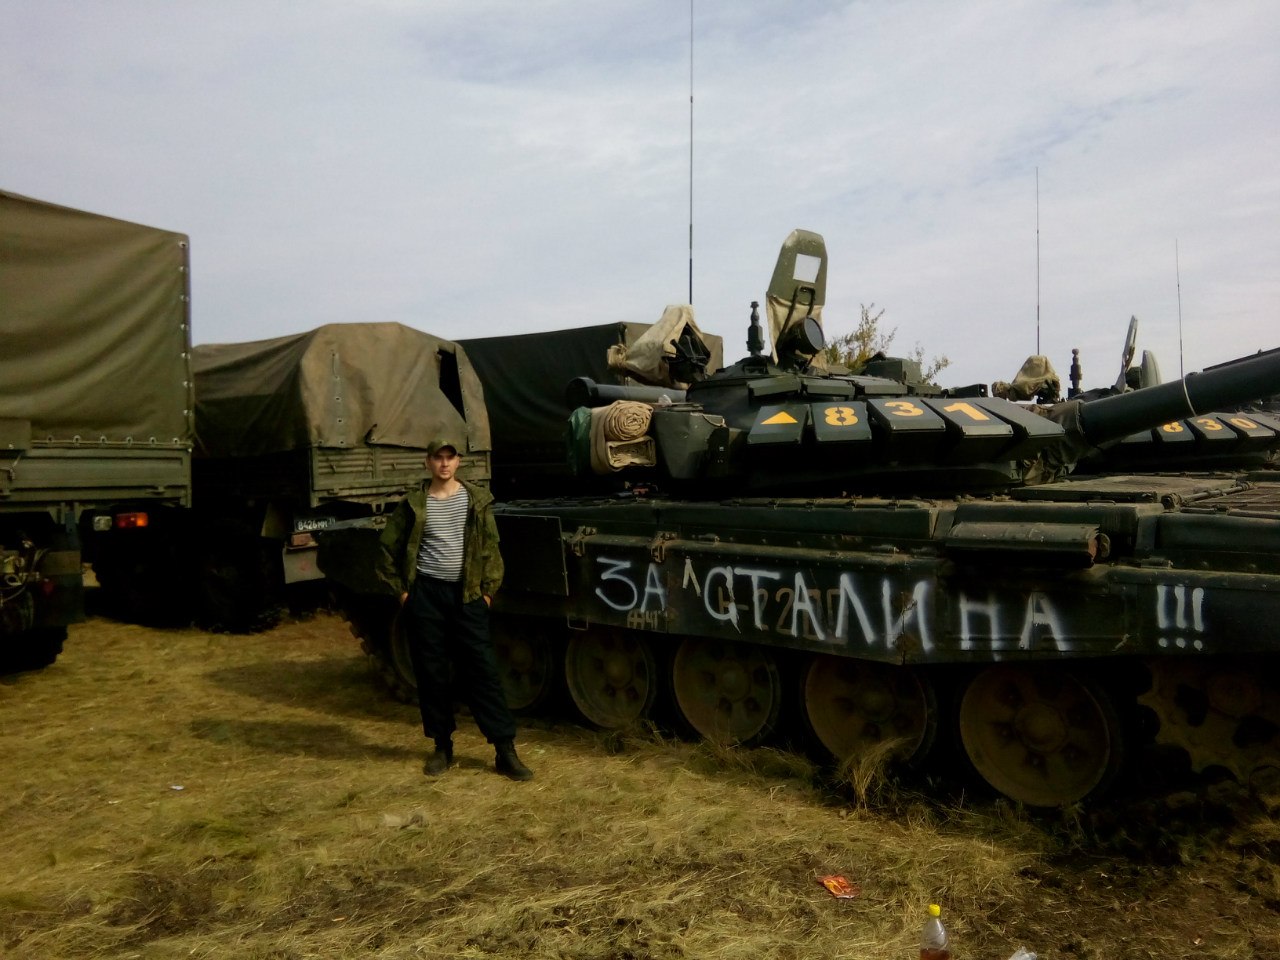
(340, 385)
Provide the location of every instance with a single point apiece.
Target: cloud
(500, 167)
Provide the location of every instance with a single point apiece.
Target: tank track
(1222, 713)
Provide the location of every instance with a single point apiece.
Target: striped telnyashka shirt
(443, 537)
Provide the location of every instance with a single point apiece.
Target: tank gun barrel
(1217, 388)
(585, 392)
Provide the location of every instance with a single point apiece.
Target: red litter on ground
(841, 888)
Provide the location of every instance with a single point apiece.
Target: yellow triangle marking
(780, 417)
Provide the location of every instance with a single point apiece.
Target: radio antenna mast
(691, 152)
(1037, 261)
(1177, 272)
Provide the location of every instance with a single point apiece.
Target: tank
(905, 572)
(1211, 441)
(1230, 439)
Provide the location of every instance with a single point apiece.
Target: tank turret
(782, 423)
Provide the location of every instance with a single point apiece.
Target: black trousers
(442, 630)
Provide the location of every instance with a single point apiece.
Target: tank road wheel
(727, 692)
(612, 676)
(526, 659)
(1040, 735)
(1223, 713)
(855, 706)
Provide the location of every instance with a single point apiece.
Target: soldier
(440, 554)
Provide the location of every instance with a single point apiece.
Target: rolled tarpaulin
(626, 420)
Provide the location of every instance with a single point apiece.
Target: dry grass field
(180, 794)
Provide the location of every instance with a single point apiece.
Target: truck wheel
(33, 649)
(375, 622)
(238, 585)
(394, 664)
(146, 592)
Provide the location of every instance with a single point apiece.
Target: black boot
(440, 760)
(508, 764)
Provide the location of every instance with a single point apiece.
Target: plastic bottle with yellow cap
(934, 943)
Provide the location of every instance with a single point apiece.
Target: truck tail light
(130, 521)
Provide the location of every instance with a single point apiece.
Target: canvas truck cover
(340, 385)
(94, 327)
(525, 376)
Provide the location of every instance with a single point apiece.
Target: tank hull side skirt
(898, 608)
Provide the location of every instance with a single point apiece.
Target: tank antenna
(755, 333)
(1177, 272)
(1037, 261)
(690, 152)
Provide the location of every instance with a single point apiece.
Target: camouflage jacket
(481, 559)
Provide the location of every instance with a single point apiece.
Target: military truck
(95, 414)
(314, 431)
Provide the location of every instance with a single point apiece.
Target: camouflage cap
(439, 443)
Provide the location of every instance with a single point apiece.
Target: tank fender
(1050, 544)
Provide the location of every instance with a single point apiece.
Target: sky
(996, 175)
